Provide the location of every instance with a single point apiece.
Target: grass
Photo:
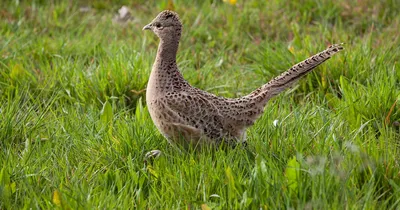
(73, 134)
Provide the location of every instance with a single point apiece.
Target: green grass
(73, 134)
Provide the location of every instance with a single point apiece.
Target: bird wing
(195, 111)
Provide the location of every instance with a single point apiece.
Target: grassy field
(74, 128)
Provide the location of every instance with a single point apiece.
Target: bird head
(166, 25)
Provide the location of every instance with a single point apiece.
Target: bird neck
(165, 65)
(167, 50)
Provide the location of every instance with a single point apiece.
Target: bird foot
(153, 154)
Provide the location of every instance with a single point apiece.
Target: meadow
(74, 128)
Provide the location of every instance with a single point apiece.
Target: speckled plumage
(188, 115)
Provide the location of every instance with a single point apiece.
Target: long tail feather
(286, 79)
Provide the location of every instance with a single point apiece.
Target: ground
(74, 128)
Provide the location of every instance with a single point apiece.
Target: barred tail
(286, 79)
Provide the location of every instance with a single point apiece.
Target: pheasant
(186, 115)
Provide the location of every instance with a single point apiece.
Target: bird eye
(157, 24)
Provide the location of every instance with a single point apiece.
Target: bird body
(189, 116)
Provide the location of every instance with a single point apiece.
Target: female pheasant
(187, 115)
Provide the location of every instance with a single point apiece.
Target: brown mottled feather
(182, 111)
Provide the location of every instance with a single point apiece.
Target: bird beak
(147, 27)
